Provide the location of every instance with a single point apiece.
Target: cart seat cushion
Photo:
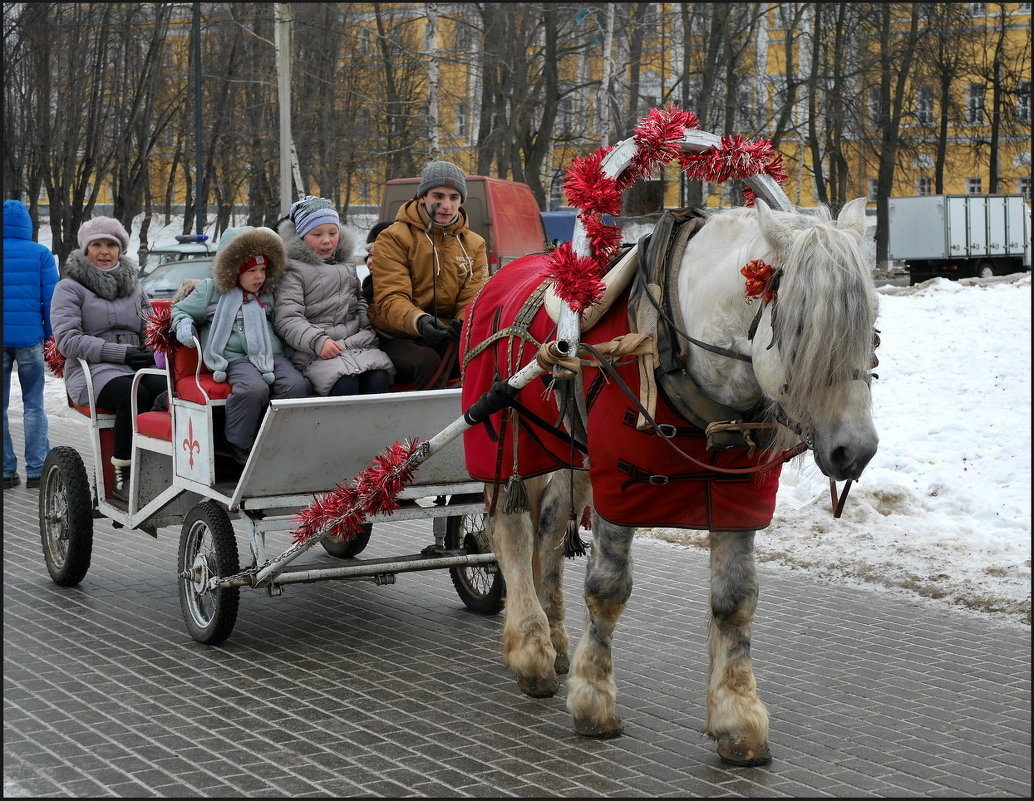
(85, 410)
(155, 424)
(184, 365)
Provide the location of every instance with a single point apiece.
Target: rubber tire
(346, 549)
(480, 587)
(985, 270)
(65, 516)
(210, 616)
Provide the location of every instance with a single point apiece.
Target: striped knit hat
(311, 211)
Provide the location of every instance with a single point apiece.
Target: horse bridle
(779, 414)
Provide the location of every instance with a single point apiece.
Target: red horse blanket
(637, 479)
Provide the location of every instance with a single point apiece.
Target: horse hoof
(539, 686)
(601, 731)
(562, 663)
(736, 751)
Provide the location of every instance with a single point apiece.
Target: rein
(665, 432)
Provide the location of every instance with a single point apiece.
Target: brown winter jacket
(417, 272)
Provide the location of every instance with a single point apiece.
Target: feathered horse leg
(592, 694)
(565, 497)
(527, 644)
(736, 717)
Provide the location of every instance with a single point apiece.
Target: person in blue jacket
(30, 275)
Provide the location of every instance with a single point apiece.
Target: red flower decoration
(53, 357)
(759, 280)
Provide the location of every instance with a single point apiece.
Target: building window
(874, 105)
(924, 105)
(365, 192)
(365, 38)
(975, 103)
(565, 114)
(462, 37)
(873, 193)
(973, 186)
(1023, 186)
(978, 9)
(1023, 102)
(462, 120)
(923, 186)
(364, 119)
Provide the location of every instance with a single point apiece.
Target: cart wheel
(65, 516)
(346, 549)
(480, 587)
(208, 548)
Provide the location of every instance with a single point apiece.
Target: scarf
(232, 305)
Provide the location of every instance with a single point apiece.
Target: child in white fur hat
(231, 313)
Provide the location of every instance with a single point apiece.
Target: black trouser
(417, 362)
(116, 396)
(371, 382)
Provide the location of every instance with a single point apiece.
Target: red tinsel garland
(658, 137)
(158, 334)
(340, 512)
(53, 357)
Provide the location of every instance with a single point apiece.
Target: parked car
(559, 225)
(163, 281)
(187, 246)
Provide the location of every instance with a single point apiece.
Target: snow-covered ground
(943, 510)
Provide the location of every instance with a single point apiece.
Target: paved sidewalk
(342, 688)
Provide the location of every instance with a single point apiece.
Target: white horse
(805, 358)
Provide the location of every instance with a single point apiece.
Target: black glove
(456, 329)
(137, 357)
(433, 330)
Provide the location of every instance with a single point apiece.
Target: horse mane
(825, 310)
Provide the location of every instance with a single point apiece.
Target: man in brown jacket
(427, 266)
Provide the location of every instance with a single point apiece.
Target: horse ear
(852, 216)
(774, 229)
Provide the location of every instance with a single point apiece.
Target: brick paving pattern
(345, 688)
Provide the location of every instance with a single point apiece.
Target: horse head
(812, 350)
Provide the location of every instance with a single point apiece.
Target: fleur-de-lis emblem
(191, 445)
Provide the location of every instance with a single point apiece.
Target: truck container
(959, 236)
(504, 212)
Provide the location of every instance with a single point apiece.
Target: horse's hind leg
(591, 693)
(736, 717)
(567, 490)
(527, 647)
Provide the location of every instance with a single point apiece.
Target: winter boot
(122, 468)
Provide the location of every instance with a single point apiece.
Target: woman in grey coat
(319, 309)
(97, 314)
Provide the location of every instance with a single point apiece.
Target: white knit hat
(103, 228)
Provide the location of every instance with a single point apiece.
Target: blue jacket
(30, 275)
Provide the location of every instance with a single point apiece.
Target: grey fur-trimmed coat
(97, 315)
(317, 301)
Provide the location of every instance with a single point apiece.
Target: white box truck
(959, 236)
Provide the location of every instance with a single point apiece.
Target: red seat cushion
(184, 364)
(85, 410)
(155, 424)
